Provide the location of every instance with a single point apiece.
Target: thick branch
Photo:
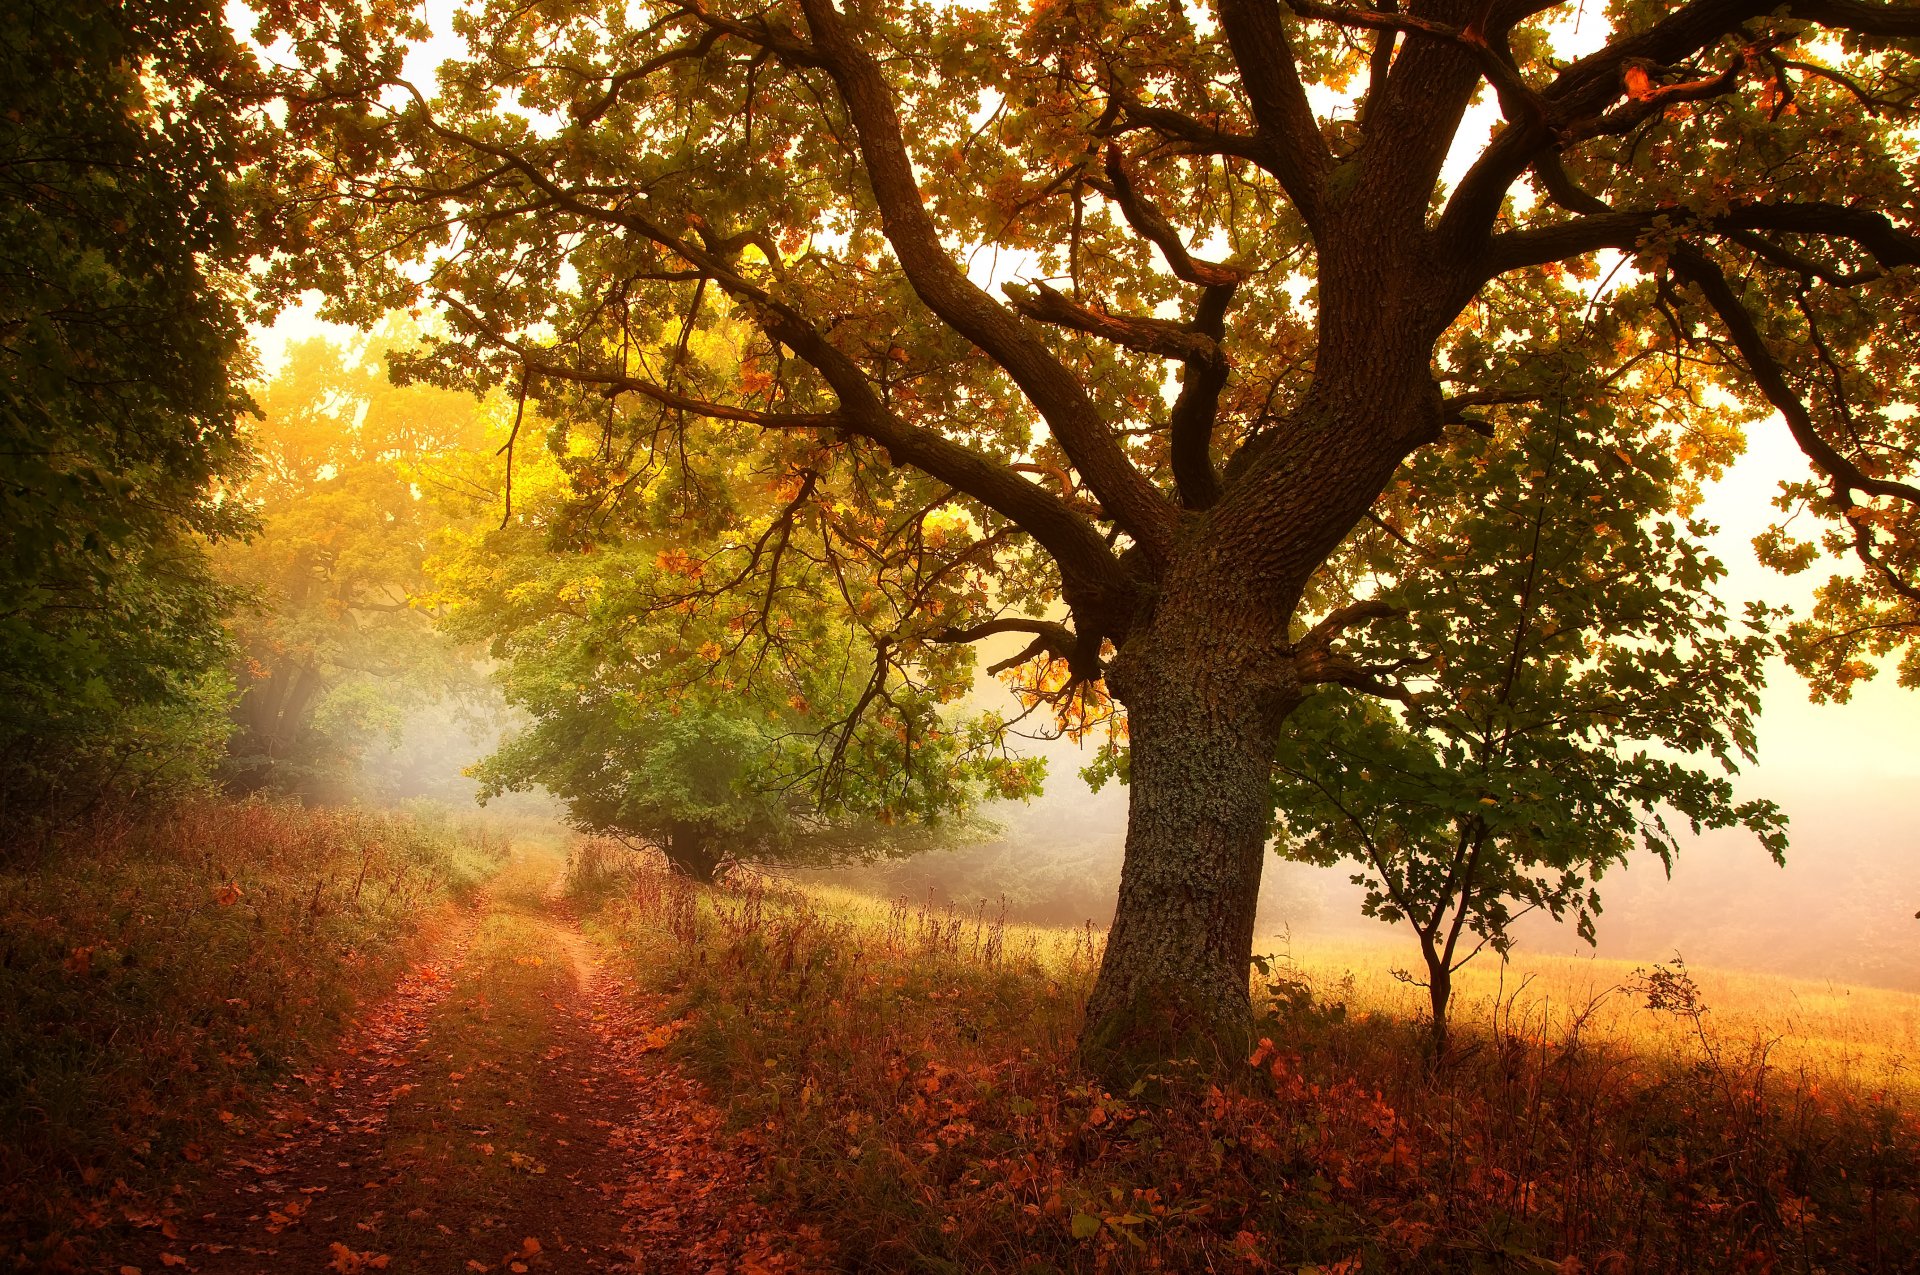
(1195, 135)
(1696, 268)
(1321, 636)
(1888, 21)
(1315, 661)
(1574, 101)
(1163, 337)
(1152, 225)
(1058, 395)
(1190, 425)
(1298, 154)
(1889, 244)
(1049, 638)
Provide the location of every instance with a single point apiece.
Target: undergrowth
(910, 1072)
(156, 974)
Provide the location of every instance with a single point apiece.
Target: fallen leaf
(348, 1262)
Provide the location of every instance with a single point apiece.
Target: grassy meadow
(1830, 1033)
(910, 1072)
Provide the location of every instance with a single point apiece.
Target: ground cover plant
(910, 1071)
(158, 973)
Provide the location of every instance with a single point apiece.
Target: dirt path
(507, 1109)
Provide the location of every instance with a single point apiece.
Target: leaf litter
(569, 1144)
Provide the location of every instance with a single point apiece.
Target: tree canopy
(666, 703)
(357, 482)
(1157, 299)
(122, 353)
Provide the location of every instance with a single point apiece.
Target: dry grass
(157, 975)
(910, 1071)
(1865, 1038)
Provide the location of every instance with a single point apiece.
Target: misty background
(1848, 776)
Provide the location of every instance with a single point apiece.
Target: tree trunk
(1174, 982)
(1439, 992)
(691, 852)
(1208, 675)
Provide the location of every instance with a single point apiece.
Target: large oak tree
(1161, 295)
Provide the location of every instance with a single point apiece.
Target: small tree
(1565, 659)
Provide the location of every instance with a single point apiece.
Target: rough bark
(1173, 984)
(1208, 678)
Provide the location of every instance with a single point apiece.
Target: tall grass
(909, 1071)
(157, 973)
(1832, 1033)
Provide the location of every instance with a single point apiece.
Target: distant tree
(122, 351)
(662, 706)
(357, 479)
(985, 244)
(1565, 667)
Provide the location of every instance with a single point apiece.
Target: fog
(1848, 776)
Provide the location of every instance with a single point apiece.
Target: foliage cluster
(910, 1074)
(156, 974)
(1568, 685)
(120, 396)
(668, 698)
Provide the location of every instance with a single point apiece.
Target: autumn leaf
(348, 1262)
